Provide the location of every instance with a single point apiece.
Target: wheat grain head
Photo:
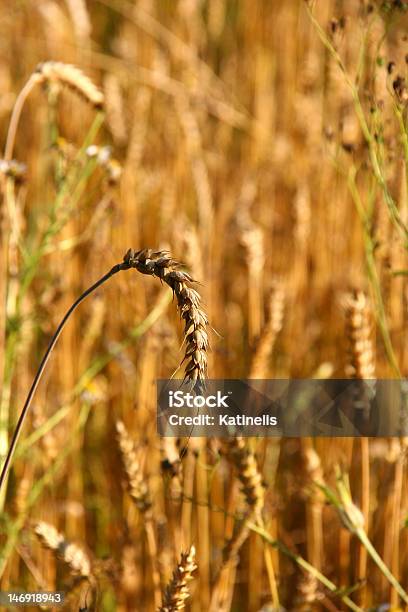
(177, 590)
(72, 77)
(136, 484)
(167, 269)
(71, 554)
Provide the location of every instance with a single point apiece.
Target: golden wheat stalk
(361, 367)
(177, 590)
(154, 263)
(80, 19)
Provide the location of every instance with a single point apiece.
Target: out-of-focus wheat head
(71, 554)
(137, 487)
(73, 78)
(244, 461)
(359, 332)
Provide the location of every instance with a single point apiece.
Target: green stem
(96, 366)
(10, 453)
(372, 273)
(370, 140)
(362, 536)
(305, 565)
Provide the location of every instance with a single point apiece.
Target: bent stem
(15, 117)
(37, 378)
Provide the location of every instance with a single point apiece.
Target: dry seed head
(161, 265)
(245, 463)
(177, 591)
(136, 484)
(358, 329)
(71, 554)
(72, 77)
(266, 340)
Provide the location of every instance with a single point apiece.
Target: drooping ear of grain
(167, 269)
(72, 77)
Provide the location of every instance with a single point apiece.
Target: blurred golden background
(265, 145)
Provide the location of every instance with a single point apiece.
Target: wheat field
(264, 145)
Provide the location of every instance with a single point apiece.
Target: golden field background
(265, 145)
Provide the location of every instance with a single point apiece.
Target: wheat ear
(65, 74)
(139, 492)
(72, 77)
(177, 591)
(244, 461)
(358, 329)
(136, 484)
(71, 554)
(167, 269)
(269, 332)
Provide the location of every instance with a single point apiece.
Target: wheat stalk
(167, 269)
(80, 19)
(177, 591)
(115, 110)
(361, 367)
(244, 461)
